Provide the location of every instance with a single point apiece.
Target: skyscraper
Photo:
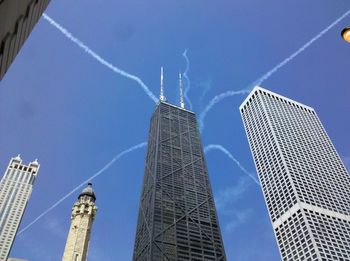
(15, 189)
(177, 217)
(305, 184)
(83, 215)
(17, 19)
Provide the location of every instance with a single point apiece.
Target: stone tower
(83, 214)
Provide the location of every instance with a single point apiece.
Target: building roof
(88, 191)
(258, 88)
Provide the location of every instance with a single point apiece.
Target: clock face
(346, 34)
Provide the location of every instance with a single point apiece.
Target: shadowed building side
(83, 215)
(17, 19)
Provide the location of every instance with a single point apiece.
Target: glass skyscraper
(15, 189)
(305, 184)
(177, 216)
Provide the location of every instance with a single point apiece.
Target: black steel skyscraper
(177, 216)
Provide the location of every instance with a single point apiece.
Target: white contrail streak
(301, 49)
(215, 100)
(220, 97)
(228, 154)
(98, 173)
(207, 85)
(185, 74)
(98, 58)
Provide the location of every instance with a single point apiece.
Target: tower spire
(162, 97)
(182, 104)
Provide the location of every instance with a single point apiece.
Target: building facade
(305, 184)
(177, 217)
(83, 215)
(15, 189)
(17, 19)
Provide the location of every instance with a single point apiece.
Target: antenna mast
(182, 104)
(162, 97)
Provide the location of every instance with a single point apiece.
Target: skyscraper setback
(177, 216)
(305, 184)
(15, 189)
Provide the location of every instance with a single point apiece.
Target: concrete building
(305, 184)
(15, 189)
(17, 19)
(83, 214)
(177, 217)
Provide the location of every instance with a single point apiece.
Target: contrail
(207, 85)
(98, 173)
(98, 58)
(301, 49)
(220, 97)
(228, 154)
(185, 74)
(215, 100)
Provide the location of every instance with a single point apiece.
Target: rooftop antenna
(162, 97)
(182, 104)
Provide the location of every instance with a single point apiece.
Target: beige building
(15, 190)
(17, 19)
(15, 259)
(83, 214)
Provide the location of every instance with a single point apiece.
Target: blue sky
(61, 106)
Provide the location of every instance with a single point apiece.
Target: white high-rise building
(15, 189)
(305, 184)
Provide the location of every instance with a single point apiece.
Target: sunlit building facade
(15, 189)
(305, 184)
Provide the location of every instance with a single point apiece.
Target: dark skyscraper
(177, 216)
(17, 19)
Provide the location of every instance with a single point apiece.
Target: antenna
(182, 104)
(162, 97)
